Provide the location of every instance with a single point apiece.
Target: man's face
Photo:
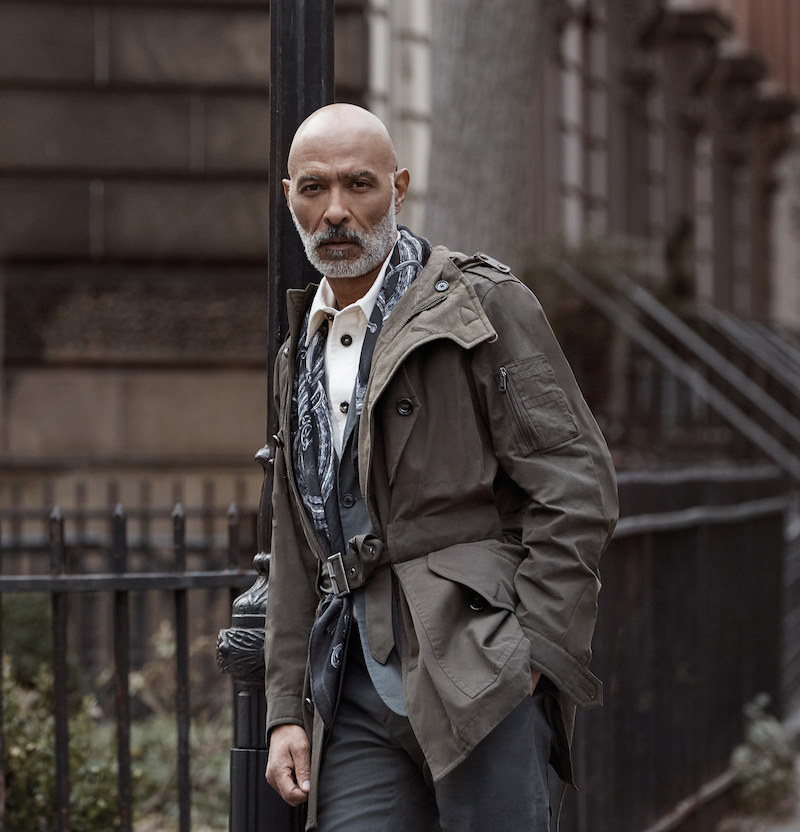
(343, 196)
(331, 250)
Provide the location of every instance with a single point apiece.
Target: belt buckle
(338, 577)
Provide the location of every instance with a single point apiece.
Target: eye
(361, 184)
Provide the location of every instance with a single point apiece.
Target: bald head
(339, 125)
(344, 191)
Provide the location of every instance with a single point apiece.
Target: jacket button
(477, 603)
(346, 340)
(405, 406)
(348, 501)
(442, 286)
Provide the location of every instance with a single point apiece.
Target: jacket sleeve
(557, 493)
(292, 598)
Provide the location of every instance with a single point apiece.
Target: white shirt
(346, 331)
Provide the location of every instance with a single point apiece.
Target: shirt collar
(324, 303)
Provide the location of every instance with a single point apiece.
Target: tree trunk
(481, 179)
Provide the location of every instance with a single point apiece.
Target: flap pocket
(471, 643)
(487, 571)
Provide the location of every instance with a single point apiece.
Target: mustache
(337, 232)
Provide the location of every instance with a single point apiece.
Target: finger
(288, 789)
(281, 778)
(302, 768)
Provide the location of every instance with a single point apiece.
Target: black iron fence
(127, 572)
(691, 627)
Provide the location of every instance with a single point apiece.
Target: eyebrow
(364, 173)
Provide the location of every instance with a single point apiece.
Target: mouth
(338, 243)
(338, 246)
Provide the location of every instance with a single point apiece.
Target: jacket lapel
(440, 303)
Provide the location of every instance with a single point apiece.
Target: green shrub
(764, 764)
(29, 761)
(27, 633)
(29, 751)
(153, 753)
(153, 739)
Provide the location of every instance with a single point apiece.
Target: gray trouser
(374, 777)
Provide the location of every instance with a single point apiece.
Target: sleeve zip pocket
(538, 405)
(507, 387)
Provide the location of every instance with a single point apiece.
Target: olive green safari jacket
(485, 475)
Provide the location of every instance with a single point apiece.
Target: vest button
(405, 406)
(348, 501)
(346, 340)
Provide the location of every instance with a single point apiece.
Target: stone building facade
(133, 199)
(669, 124)
(134, 150)
(665, 129)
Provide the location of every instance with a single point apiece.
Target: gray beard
(375, 246)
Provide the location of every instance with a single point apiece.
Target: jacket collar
(441, 302)
(297, 302)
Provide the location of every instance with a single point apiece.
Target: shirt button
(348, 501)
(346, 340)
(329, 316)
(405, 406)
(344, 407)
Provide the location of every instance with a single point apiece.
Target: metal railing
(690, 629)
(694, 364)
(121, 582)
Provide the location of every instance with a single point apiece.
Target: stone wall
(134, 145)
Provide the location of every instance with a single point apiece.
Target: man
(442, 496)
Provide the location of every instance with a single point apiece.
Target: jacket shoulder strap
(481, 260)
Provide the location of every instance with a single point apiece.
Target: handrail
(710, 357)
(755, 345)
(683, 371)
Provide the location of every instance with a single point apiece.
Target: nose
(336, 209)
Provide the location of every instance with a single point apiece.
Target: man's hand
(289, 763)
(535, 676)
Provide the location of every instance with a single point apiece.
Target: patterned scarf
(312, 432)
(315, 465)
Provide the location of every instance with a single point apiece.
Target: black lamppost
(301, 80)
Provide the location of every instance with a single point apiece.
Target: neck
(348, 290)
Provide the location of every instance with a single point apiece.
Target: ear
(287, 184)
(401, 180)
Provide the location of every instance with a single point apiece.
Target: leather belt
(354, 568)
